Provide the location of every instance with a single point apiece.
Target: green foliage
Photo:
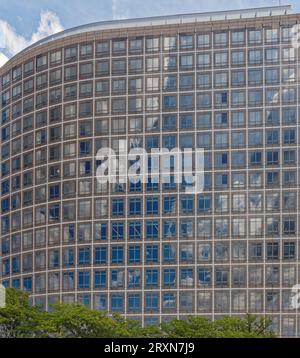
(19, 319)
(227, 327)
(249, 327)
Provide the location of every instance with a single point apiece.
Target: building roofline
(164, 20)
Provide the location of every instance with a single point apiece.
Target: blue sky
(20, 21)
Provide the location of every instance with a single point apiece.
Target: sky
(25, 22)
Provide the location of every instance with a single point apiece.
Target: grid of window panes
(151, 250)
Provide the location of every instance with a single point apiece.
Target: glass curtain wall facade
(151, 251)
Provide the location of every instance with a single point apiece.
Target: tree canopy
(19, 319)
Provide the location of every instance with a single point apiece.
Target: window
(170, 43)
(169, 277)
(102, 67)
(102, 48)
(134, 254)
(204, 60)
(102, 87)
(255, 158)
(186, 41)
(117, 207)
(134, 302)
(203, 80)
(256, 251)
(254, 36)
(187, 205)
(204, 203)
(152, 44)
(221, 99)
(70, 54)
(135, 65)
(289, 157)
(271, 35)
(84, 256)
(272, 251)
(169, 83)
(135, 206)
(151, 278)
(186, 61)
(204, 100)
(83, 279)
(28, 68)
(221, 79)
(203, 40)
(289, 250)
(238, 78)
(86, 70)
(169, 122)
(237, 38)
(117, 254)
(100, 279)
(117, 302)
(221, 160)
(255, 226)
(169, 253)
(255, 57)
(41, 61)
(119, 46)
(169, 102)
(101, 231)
(272, 157)
(86, 50)
(237, 58)
(289, 226)
(152, 229)
(117, 231)
(152, 64)
(288, 75)
(220, 38)
(221, 59)
(272, 76)
(272, 55)
(135, 230)
(152, 84)
(254, 76)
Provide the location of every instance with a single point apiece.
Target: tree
(73, 320)
(19, 319)
(249, 327)
(227, 327)
(193, 327)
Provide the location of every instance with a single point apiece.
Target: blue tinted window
(100, 279)
(118, 231)
(27, 284)
(151, 277)
(151, 253)
(169, 277)
(152, 229)
(134, 254)
(100, 255)
(117, 254)
(83, 279)
(135, 230)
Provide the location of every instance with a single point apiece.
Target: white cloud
(12, 42)
(49, 25)
(114, 9)
(3, 59)
(117, 12)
